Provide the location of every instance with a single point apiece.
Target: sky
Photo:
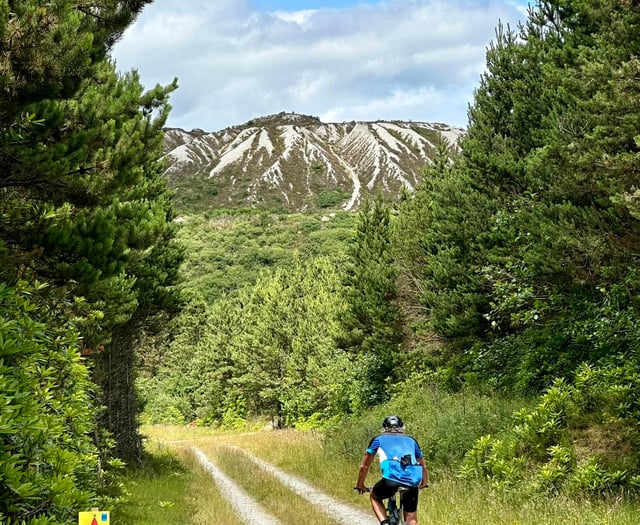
(338, 60)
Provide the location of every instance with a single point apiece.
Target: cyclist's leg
(410, 505)
(378, 508)
(411, 518)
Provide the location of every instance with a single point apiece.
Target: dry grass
(177, 434)
(448, 502)
(604, 441)
(454, 502)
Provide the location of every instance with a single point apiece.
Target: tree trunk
(115, 375)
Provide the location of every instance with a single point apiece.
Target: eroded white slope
(294, 154)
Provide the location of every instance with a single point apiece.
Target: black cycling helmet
(392, 422)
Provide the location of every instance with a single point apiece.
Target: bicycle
(395, 507)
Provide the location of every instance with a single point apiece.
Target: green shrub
(580, 438)
(49, 464)
(445, 424)
(331, 199)
(553, 474)
(594, 478)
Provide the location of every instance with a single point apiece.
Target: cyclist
(402, 465)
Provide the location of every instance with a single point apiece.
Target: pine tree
(543, 197)
(48, 458)
(83, 204)
(372, 322)
(268, 350)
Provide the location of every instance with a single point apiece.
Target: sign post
(94, 517)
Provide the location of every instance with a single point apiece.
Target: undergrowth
(581, 439)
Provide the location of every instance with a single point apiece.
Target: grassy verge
(455, 502)
(178, 479)
(170, 488)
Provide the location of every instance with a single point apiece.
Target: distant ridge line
(296, 162)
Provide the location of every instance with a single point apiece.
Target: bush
(445, 424)
(580, 438)
(49, 464)
(331, 199)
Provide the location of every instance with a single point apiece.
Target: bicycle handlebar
(400, 489)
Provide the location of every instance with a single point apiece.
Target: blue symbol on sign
(104, 517)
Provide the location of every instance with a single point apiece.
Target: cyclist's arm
(365, 465)
(425, 473)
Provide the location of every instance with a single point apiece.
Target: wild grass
(452, 501)
(159, 436)
(171, 487)
(449, 500)
(303, 454)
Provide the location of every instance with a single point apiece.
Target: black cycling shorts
(385, 488)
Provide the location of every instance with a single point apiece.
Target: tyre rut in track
(338, 512)
(246, 508)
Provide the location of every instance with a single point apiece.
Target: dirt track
(250, 511)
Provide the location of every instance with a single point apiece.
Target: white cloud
(399, 59)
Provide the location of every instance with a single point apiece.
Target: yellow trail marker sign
(95, 517)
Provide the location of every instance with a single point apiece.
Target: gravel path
(247, 509)
(338, 512)
(250, 512)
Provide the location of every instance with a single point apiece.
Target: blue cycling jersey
(391, 447)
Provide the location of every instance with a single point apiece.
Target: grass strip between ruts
(274, 497)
